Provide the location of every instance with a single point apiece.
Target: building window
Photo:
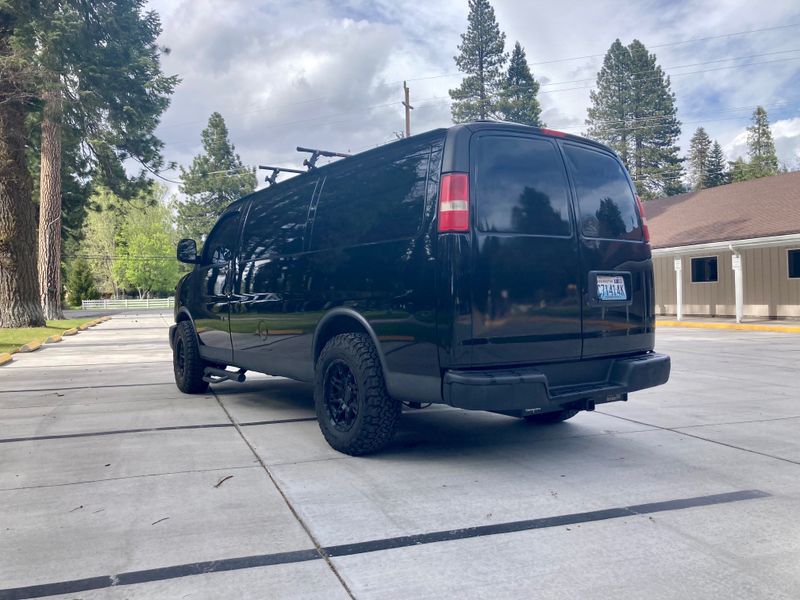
(794, 264)
(704, 269)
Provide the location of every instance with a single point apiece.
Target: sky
(329, 73)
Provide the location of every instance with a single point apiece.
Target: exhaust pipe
(216, 375)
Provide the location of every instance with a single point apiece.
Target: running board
(215, 375)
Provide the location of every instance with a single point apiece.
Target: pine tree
(610, 115)
(215, 179)
(699, 159)
(80, 283)
(717, 174)
(739, 170)
(518, 102)
(761, 148)
(633, 110)
(19, 289)
(481, 57)
(95, 73)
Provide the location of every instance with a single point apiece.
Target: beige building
(729, 251)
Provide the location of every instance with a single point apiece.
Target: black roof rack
(311, 161)
(272, 177)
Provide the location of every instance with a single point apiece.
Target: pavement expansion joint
(680, 431)
(329, 552)
(289, 505)
(63, 436)
(139, 476)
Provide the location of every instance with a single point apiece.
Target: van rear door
(616, 268)
(526, 304)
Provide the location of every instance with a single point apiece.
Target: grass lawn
(11, 339)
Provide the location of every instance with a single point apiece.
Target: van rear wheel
(551, 417)
(354, 410)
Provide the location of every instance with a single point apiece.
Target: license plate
(611, 287)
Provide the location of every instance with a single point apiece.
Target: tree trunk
(50, 208)
(19, 293)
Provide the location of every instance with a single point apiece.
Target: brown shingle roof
(737, 211)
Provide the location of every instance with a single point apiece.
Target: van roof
(456, 150)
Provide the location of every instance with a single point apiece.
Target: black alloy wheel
(341, 396)
(187, 364)
(354, 410)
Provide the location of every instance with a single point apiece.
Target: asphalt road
(113, 484)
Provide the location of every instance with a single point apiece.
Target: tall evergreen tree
(633, 110)
(760, 147)
(699, 159)
(518, 102)
(19, 288)
(739, 170)
(215, 178)
(657, 166)
(481, 56)
(717, 173)
(610, 114)
(80, 283)
(96, 75)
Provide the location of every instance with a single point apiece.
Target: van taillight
(645, 228)
(454, 202)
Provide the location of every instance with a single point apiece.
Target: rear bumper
(527, 390)
(172, 329)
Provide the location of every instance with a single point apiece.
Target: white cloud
(787, 141)
(329, 73)
(786, 135)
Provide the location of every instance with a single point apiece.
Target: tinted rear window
(375, 199)
(606, 203)
(521, 187)
(276, 224)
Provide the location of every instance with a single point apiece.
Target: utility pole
(409, 108)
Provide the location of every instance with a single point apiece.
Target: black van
(488, 266)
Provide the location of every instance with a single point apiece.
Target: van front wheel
(186, 362)
(354, 410)
(551, 417)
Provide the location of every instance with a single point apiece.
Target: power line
(100, 257)
(663, 45)
(360, 110)
(265, 107)
(707, 62)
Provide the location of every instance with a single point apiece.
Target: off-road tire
(377, 413)
(186, 362)
(551, 417)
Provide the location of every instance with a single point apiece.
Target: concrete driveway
(113, 484)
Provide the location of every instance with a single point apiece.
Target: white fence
(126, 303)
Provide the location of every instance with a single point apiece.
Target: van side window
(222, 241)
(375, 199)
(606, 203)
(276, 223)
(521, 187)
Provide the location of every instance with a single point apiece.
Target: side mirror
(187, 251)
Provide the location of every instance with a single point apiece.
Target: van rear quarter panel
(392, 285)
